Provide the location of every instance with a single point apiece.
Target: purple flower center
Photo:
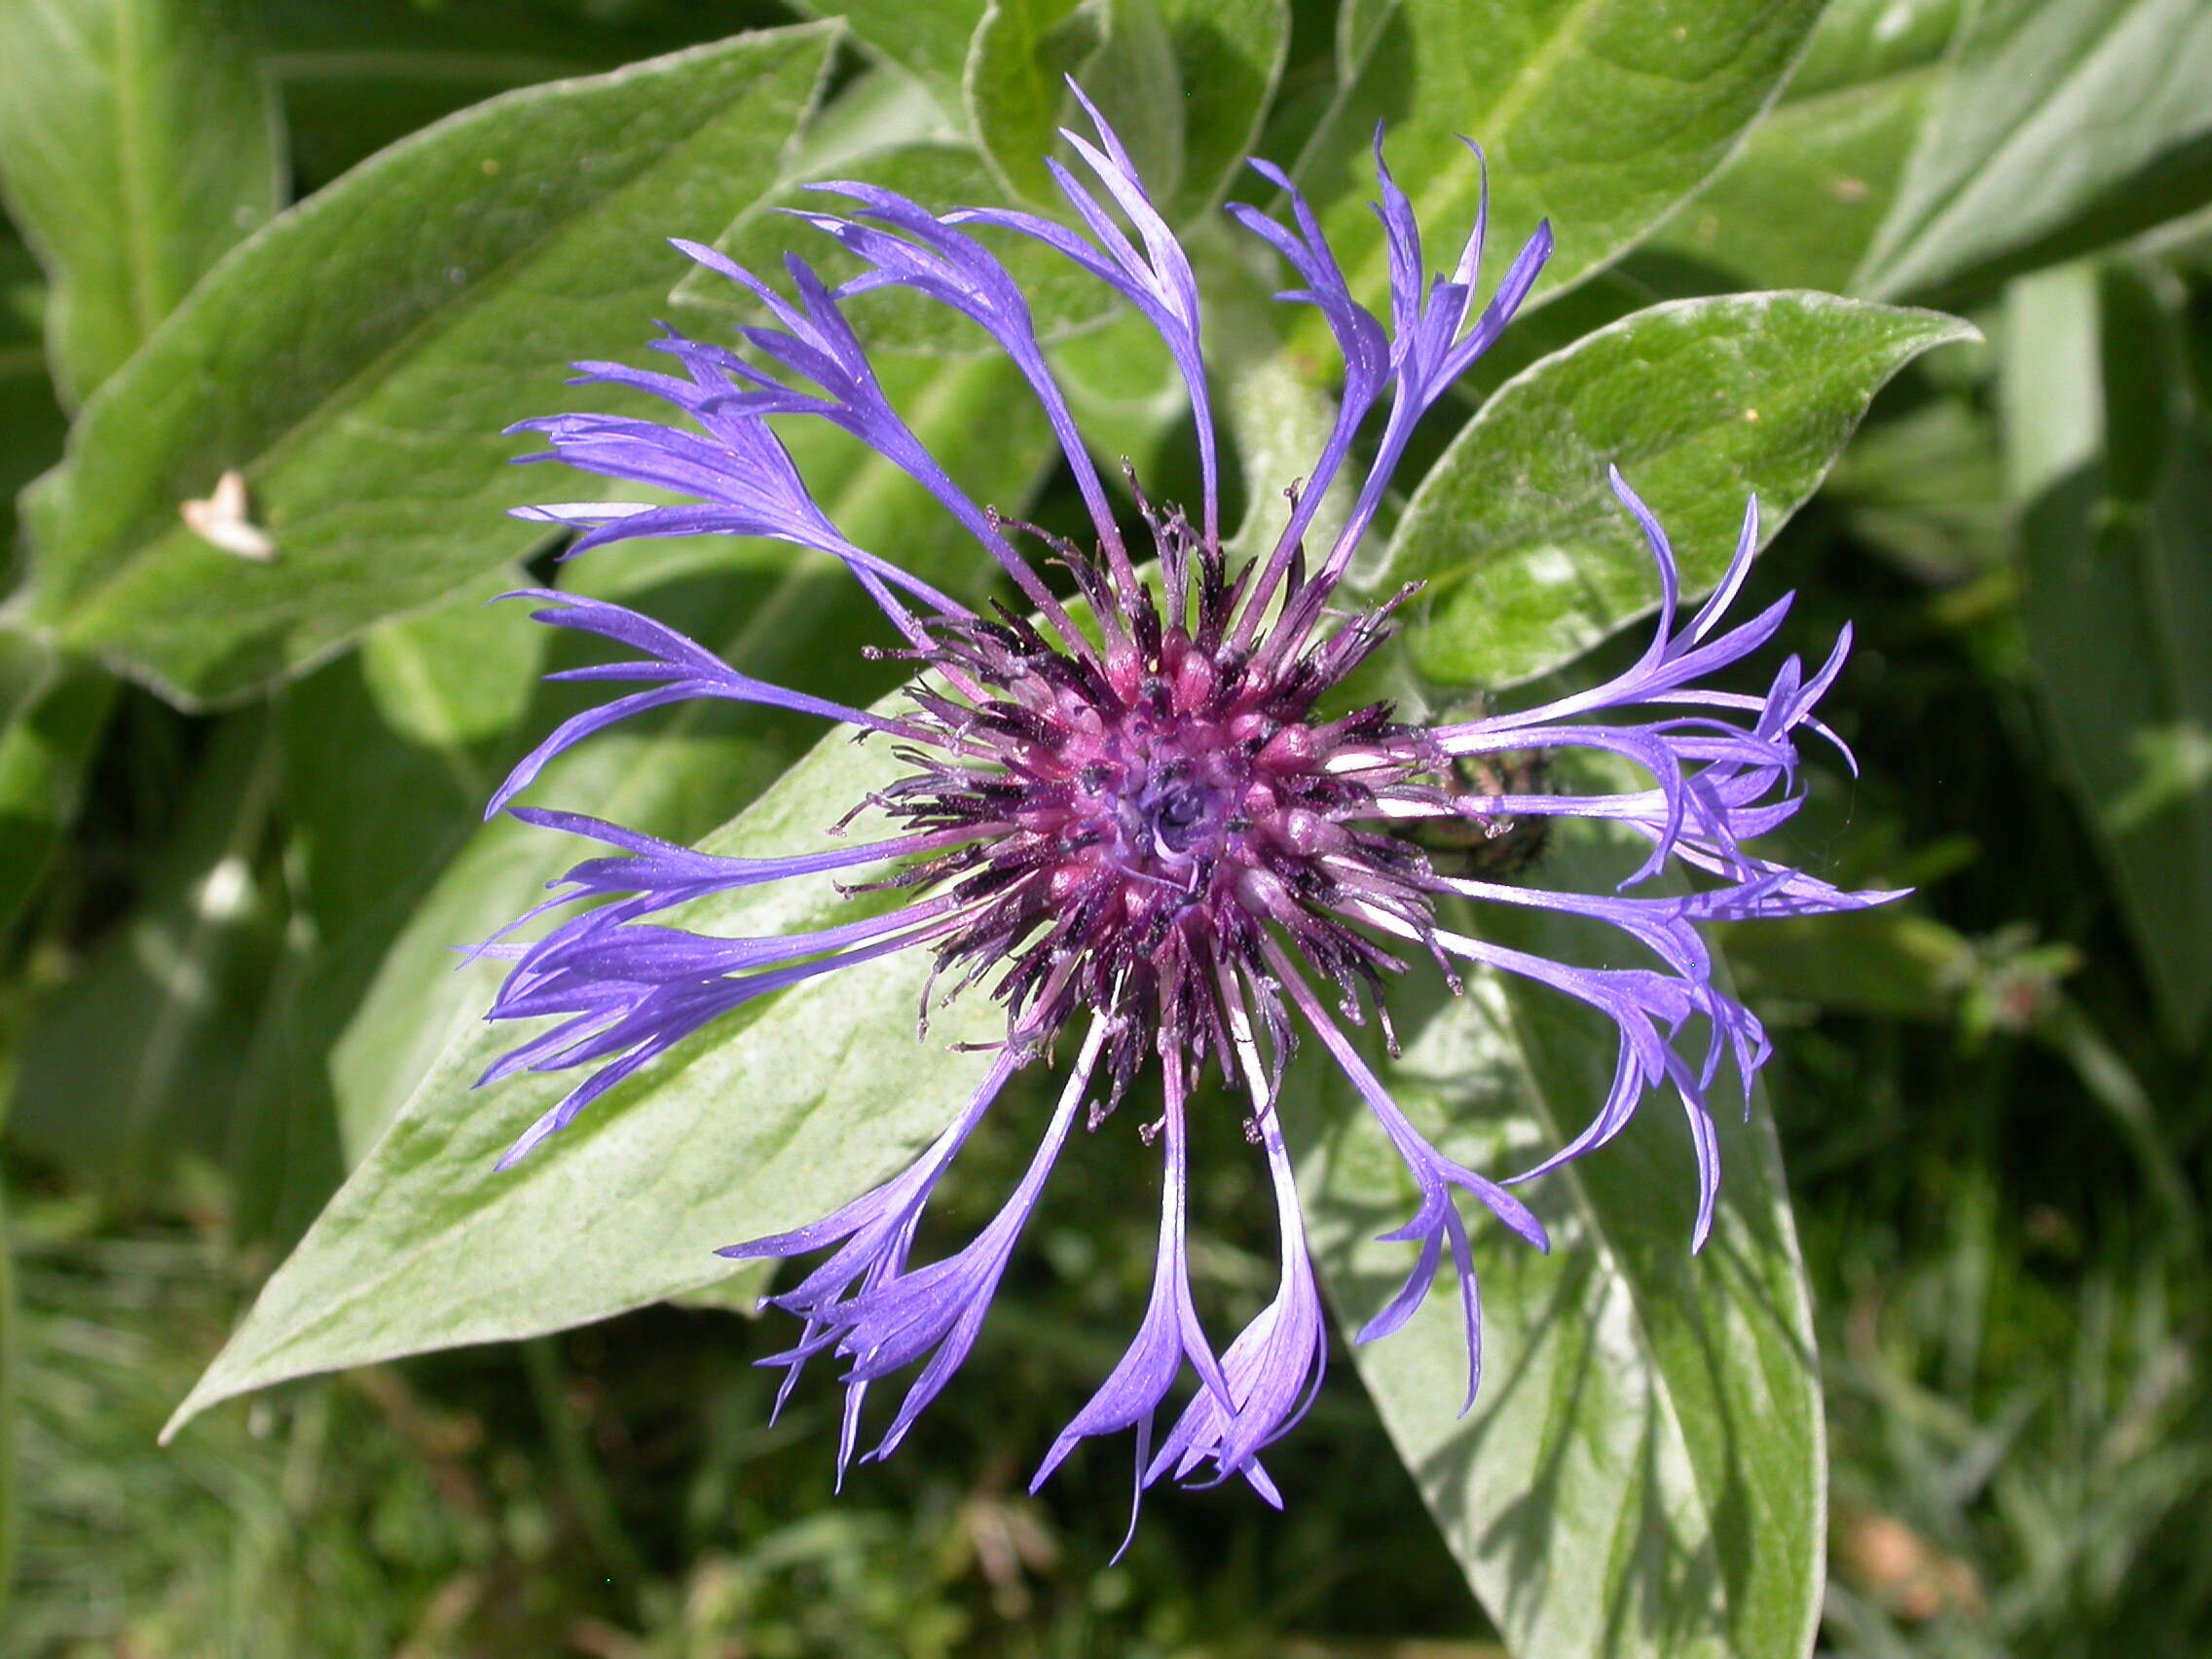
(1145, 807)
(1171, 791)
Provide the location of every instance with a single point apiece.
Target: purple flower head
(1159, 831)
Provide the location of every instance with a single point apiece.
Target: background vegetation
(239, 802)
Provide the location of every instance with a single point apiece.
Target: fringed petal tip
(532, 1138)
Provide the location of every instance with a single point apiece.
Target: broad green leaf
(1861, 41)
(772, 616)
(1642, 1471)
(670, 780)
(876, 110)
(738, 1293)
(1229, 56)
(1185, 83)
(454, 677)
(356, 76)
(1529, 557)
(2047, 107)
(1600, 115)
(879, 128)
(26, 670)
(2110, 465)
(793, 1108)
(51, 712)
(138, 141)
(783, 617)
(929, 42)
(50, 732)
(1117, 49)
(1798, 206)
(358, 360)
(1644, 278)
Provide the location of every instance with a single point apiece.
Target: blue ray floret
(1156, 830)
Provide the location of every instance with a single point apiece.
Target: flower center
(1170, 794)
(1178, 811)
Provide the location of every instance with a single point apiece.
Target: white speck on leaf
(222, 520)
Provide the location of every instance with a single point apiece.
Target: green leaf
(358, 360)
(1798, 206)
(929, 42)
(795, 621)
(53, 711)
(2048, 106)
(1601, 115)
(881, 128)
(670, 780)
(2111, 469)
(1185, 83)
(796, 1106)
(1229, 58)
(679, 780)
(138, 141)
(356, 76)
(1861, 40)
(876, 110)
(1018, 100)
(1642, 1471)
(1529, 557)
(452, 678)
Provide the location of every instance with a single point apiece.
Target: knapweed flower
(1146, 830)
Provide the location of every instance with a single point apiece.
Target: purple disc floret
(1164, 830)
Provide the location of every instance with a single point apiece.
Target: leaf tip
(192, 1405)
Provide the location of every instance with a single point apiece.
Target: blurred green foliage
(224, 967)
